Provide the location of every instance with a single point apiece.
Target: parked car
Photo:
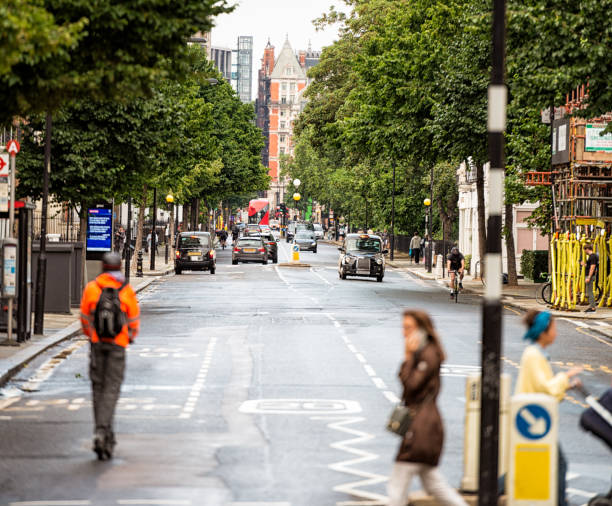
(271, 244)
(194, 252)
(250, 249)
(318, 230)
(306, 240)
(362, 255)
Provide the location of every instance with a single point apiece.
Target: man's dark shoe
(461, 286)
(590, 310)
(98, 445)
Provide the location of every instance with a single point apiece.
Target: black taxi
(195, 251)
(362, 255)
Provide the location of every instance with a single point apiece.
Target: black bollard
(139, 265)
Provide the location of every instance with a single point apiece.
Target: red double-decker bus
(259, 211)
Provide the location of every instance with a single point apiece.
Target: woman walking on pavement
(536, 375)
(421, 447)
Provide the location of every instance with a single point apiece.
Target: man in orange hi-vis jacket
(110, 318)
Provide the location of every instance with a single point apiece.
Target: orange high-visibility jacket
(129, 304)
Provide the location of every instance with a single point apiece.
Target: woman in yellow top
(536, 375)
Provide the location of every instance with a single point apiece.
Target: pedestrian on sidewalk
(591, 268)
(415, 247)
(536, 375)
(110, 318)
(421, 447)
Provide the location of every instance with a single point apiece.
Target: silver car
(306, 240)
(250, 249)
(318, 230)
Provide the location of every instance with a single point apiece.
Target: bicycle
(456, 287)
(543, 293)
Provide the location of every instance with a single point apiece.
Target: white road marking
(155, 502)
(5, 403)
(352, 348)
(391, 397)
(602, 324)
(300, 406)
(379, 383)
(578, 323)
(581, 493)
(369, 369)
(570, 476)
(46, 370)
(260, 504)
(346, 466)
(320, 277)
(197, 387)
(361, 358)
(50, 503)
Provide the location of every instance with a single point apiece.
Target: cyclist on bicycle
(455, 262)
(223, 238)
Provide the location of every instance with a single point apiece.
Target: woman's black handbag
(401, 419)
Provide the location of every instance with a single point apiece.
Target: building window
(293, 87)
(284, 86)
(283, 100)
(282, 151)
(282, 125)
(282, 113)
(282, 139)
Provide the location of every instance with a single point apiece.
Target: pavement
(60, 327)
(264, 385)
(521, 297)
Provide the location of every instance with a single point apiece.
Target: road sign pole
(492, 308)
(13, 163)
(41, 274)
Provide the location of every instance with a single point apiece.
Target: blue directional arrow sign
(533, 421)
(296, 247)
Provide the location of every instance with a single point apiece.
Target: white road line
(379, 383)
(391, 397)
(7, 402)
(260, 504)
(320, 277)
(198, 385)
(361, 358)
(352, 348)
(602, 324)
(367, 479)
(46, 370)
(576, 322)
(50, 503)
(370, 370)
(581, 493)
(168, 502)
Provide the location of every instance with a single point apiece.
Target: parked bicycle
(544, 293)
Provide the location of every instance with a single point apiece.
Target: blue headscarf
(539, 325)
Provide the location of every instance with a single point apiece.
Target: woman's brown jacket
(420, 377)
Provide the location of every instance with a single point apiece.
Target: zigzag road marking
(346, 466)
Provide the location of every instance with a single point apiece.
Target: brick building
(279, 102)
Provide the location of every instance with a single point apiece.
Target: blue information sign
(533, 421)
(99, 229)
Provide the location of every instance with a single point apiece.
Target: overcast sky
(274, 19)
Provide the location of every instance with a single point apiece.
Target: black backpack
(109, 319)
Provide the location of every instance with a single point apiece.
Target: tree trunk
(482, 226)
(510, 248)
(140, 226)
(194, 214)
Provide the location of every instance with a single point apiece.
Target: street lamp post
(170, 204)
(428, 248)
(154, 232)
(296, 184)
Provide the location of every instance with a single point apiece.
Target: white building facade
(525, 238)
